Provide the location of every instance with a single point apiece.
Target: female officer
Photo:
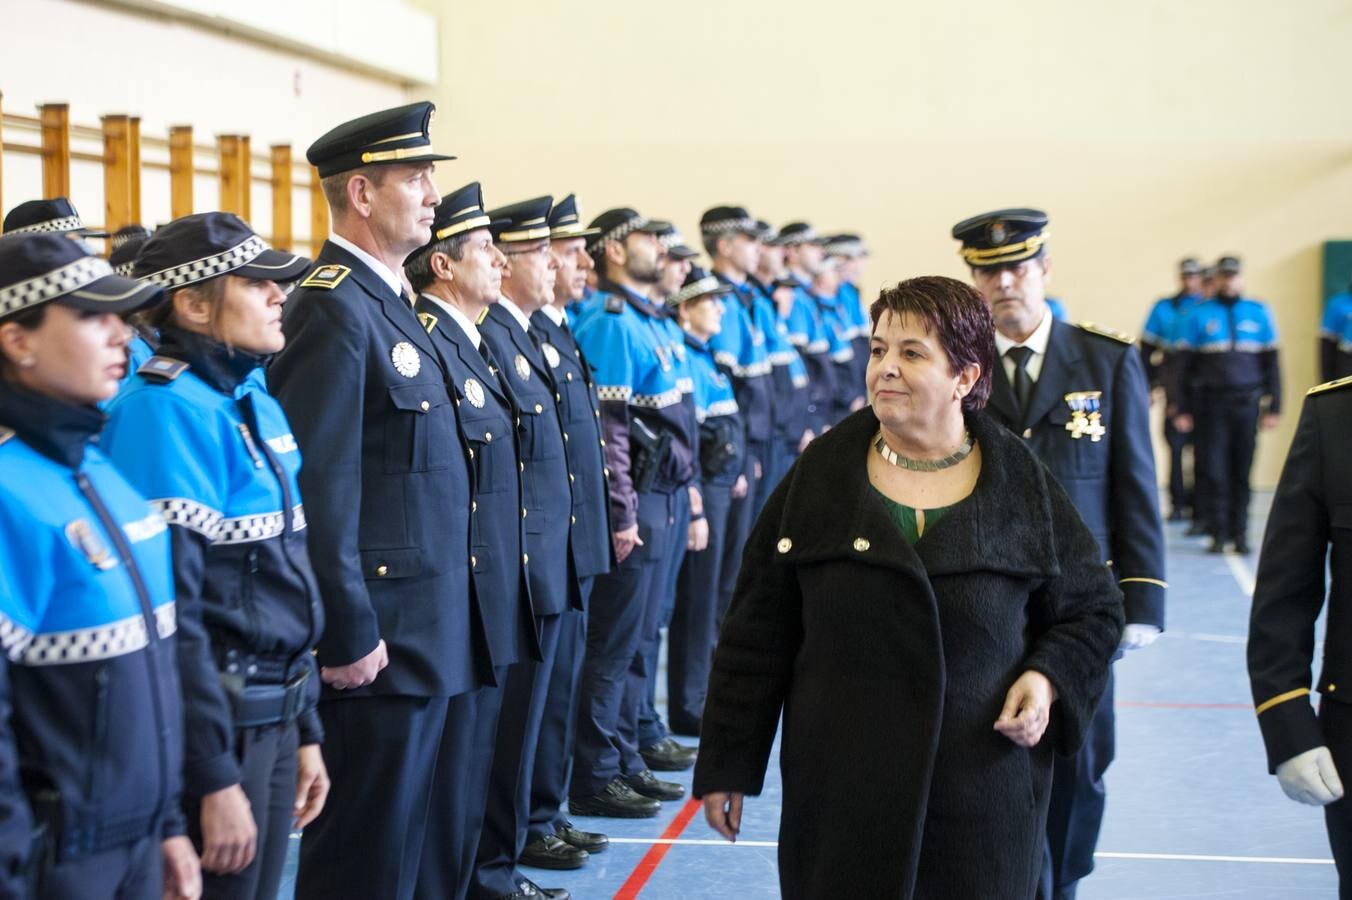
(87, 619)
(722, 448)
(196, 431)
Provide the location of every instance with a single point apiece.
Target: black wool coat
(891, 663)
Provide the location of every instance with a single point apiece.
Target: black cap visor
(113, 294)
(273, 265)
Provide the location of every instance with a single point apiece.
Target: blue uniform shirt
(807, 332)
(1335, 334)
(1228, 345)
(1162, 331)
(741, 346)
(717, 411)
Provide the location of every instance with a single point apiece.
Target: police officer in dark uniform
(1078, 396)
(86, 584)
(1230, 383)
(197, 432)
(1161, 332)
(1310, 512)
(553, 842)
(387, 495)
(650, 456)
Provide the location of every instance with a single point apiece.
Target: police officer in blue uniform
(1309, 751)
(694, 626)
(387, 497)
(88, 596)
(553, 842)
(126, 243)
(791, 401)
(808, 328)
(1335, 337)
(848, 251)
(196, 432)
(1161, 332)
(1078, 396)
(650, 456)
(1229, 383)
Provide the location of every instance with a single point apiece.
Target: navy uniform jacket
(1110, 480)
(90, 640)
(16, 825)
(593, 550)
(215, 455)
(545, 481)
(386, 482)
(788, 377)
(1311, 510)
(488, 416)
(1227, 346)
(807, 332)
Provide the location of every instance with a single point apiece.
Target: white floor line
(1235, 563)
(1176, 857)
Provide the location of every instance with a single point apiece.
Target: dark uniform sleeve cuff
(1143, 600)
(1289, 727)
(310, 729)
(211, 775)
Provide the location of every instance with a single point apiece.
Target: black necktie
(1023, 382)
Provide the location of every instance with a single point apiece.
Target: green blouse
(908, 523)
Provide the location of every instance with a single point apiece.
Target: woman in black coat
(925, 607)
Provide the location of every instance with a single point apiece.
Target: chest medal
(1085, 417)
(522, 367)
(406, 360)
(551, 355)
(474, 393)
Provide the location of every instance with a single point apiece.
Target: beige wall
(1148, 130)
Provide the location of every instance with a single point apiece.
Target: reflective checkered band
(685, 385)
(730, 226)
(58, 282)
(618, 233)
(1239, 347)
(722, 408)
(60, 226)
(657, 401)
(124, 269)
(820, 346)
(218, 529)
(197, 270)
(843, 355)
(798, 339)
(725, 358)
(705, 285)
(145, 529)
(800, 381)
(758, 368)
(189, 514)
(620, 394)
(782, 358)
(13, 637)
(102, 642)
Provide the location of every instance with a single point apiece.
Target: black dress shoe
(646, 783)
(531, 889)
(1217, 545)
(552, 852)
(591, 841)
(1242, 547)
(668, 756)
(617, 801)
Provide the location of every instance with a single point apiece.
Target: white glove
(1134, 636)
(1311, 778)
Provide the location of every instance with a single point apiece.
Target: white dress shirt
(1037, 342)
(516, 312)
(460, 319)
(386, 275)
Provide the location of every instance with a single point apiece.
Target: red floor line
(653, 858)
(1145, 704)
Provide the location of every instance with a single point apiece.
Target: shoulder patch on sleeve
(326, 277)
(5, 434)
(428, 321)
(1119, 336)
(1330, 386)
(162, 368)
(614, 303)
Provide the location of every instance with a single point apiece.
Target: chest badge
(85, 539)
(522, 367)
(551, 355)
(1086, 417)
(406, 360)
(1213, 326)
(474, 393)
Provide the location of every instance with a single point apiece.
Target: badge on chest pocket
(1086, 417)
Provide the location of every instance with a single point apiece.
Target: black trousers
(1180, 492)
(267, 762)
(1227, 431)
(653, 599)
(614, 631)
(694, 625)
(131, 872)
(1336, 719)
(1075, 812)
(651, 728)
(508, 810)
(558, 726)
(741, 516)
(410, 780)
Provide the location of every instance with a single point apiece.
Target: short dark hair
(418, 267)
(957, 315)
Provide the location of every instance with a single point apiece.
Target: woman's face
(251, 315)
(703, 317)
(910, 382)
(75, 357)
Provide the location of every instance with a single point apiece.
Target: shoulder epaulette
(483, 314)
(1330, 385)
(5, 434)
(614, 303)
(326, 277)
(162, 368)
(428, 321)
(1119, 336)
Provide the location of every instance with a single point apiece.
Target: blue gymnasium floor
(1192, 811)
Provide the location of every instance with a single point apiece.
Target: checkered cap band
(673, 239)
(805, 236)
(70, 277)
(57, 226)
(101, 642)
(124, 269)
(121, 239)
(730, 226)
(705, 285)
(618, 233)
(208, 266)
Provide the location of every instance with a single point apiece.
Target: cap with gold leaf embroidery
(390, 136)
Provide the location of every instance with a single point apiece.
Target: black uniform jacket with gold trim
(1312, 509)
(1111, 480)
(488, 416)
(385, 481)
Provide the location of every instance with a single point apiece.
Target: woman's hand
(182, 873)
(1028, 709)
(229, 835)
(723, 812)
(312, 784)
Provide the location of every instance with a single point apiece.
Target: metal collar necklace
(924, 465)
